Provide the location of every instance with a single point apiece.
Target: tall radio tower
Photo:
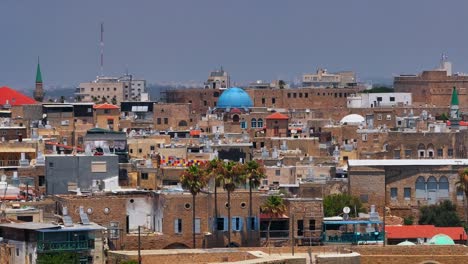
(101, 44)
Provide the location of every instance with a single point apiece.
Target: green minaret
(454, 110)
(39, 90)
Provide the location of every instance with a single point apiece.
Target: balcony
(9, 163)
(57, 246)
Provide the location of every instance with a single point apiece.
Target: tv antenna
(101, 44)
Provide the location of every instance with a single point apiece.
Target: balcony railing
(9, 163)
(43, 246)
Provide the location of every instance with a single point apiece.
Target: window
(392, 99)
(166, 121)
(205, 103)
(440, 152)
(379, 99)
(252, 223)
(158, 121)
(393, 193)
(260, 123)
(178, 226)
(379, 116)
(144, 175)
(182, 123)
(243, 124)
(294, 95)
(420, 188)
(460, 195)
(237, 223)
(289, 95)
(221, 224)
(264, 182)
(108, 89)
(51, 164)
(450, 153)
(364, 137)
(151, 147)
(300, 95)
(92, 89)
(263, 100)
(253, 123)
(396, 154)
(443, 188)
(408, 153)
(41, 180)
(389, 117)
(300, 227)
(115, 89)
(98, 166)
(311, 224)
(273, 100)
(17, 252)
(364, 198)
(278, 172)
(407, 193)
(306, 95)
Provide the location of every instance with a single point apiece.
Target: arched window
(235, 118)
(253, 123)
(182, 123)
(443, 188)
(430, 151)
(421, 151)
(420, 188)
(260, 123)
(432, 190)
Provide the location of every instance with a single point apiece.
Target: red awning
(269, 216)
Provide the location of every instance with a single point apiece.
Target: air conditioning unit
(65, 122)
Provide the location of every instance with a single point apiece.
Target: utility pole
(139, 245)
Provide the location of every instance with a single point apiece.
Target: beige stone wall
(179, 116)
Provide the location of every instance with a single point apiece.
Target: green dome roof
(441, 239)
(406, 243)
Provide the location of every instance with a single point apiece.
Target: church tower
(454, 110)
(39, 90)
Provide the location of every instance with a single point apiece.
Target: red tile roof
(277, 116)
(106, 106)
(423, 231)
(13, 97)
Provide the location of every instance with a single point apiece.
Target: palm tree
(274, 207)
(194, 180)
(462, 184)
(232, 176)
(254, 173)
(213, 170)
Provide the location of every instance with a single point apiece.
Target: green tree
(214, 169)
(281, 84)
(57, 258)
(443, 117)
(114, 100)
(409, 220)
(233, 173)
(254, 173)
(443, 214)
(62, 99)
(194, 180)
(333, 204)
(462, 184)
(274, 207)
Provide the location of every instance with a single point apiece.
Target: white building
(322, 79)
(371, 100)
(112, 90)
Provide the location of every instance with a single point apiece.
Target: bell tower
(39, 90)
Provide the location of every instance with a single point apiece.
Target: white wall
(369, 100)
(140, 212)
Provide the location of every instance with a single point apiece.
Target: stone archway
(177, 246)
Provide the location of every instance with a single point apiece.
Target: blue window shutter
(176, 226)
(257, 224)
(233, 224)
(240, 223)
(197, 225)
(225, 223)
(249, 221)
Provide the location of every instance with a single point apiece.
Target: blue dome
(234, 97)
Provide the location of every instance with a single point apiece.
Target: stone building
(107, 116)
(433, 87)
(405, 185)
(123, 211)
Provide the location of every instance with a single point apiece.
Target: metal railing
(355, 238)
(9, 163)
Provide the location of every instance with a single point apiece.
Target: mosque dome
(352, 119)
(234, 97)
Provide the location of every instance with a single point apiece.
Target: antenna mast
(102, 48)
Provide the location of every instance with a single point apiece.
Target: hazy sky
(253, 39)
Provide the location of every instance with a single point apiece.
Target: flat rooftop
(408, 162)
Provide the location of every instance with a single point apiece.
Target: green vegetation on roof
(379, 89)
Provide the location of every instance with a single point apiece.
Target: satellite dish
(346, 210)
